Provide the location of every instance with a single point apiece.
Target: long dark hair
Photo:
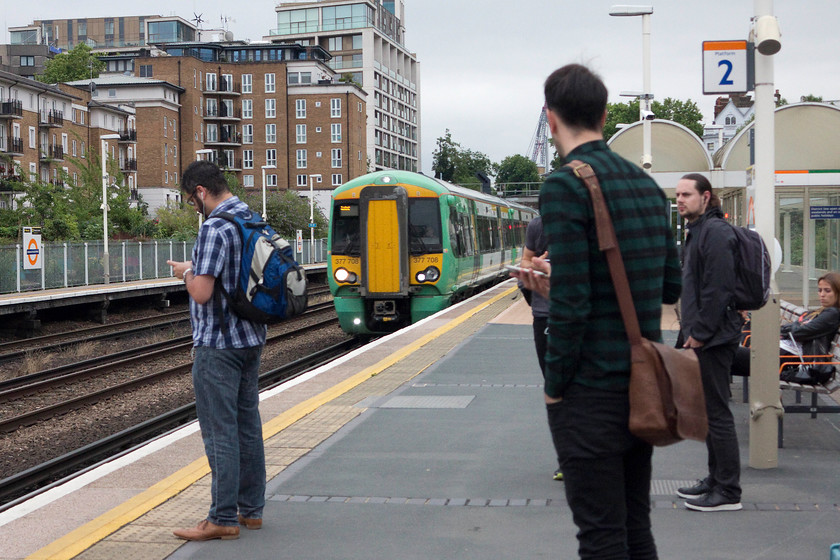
(702, 184)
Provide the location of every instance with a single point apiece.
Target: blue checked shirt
(218, 252)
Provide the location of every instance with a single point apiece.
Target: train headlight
(344, 276)
(431, 274)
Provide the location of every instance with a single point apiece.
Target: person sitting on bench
(813, 331)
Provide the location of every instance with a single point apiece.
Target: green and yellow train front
(389, 263)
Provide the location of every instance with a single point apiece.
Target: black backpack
(752, 270)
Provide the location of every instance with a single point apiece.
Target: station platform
(429, 443)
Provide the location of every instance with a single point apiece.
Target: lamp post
(264, 167)
(312, 215)
(104, 153)
(645, 114)
(198, 154)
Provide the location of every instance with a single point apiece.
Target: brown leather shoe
(206, 531)
(252, 523)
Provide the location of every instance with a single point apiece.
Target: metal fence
(65, 265)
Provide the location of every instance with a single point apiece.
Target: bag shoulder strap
(608, 244)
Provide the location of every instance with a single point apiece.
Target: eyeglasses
(191, 199)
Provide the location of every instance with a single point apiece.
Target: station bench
(789, 313)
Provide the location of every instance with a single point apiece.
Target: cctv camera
(648, 115)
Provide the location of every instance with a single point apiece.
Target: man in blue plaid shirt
(226, 366)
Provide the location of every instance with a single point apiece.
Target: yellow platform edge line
(82, 538)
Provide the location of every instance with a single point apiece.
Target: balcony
(51, 119)
(12, 109)
(128, 136)
(13, 146)
(226, 140)
(128, 165)
(52, 153)
(225, 88)
(222, 113)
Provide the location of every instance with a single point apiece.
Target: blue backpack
(272, 286)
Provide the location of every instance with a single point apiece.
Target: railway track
(42, 386)
(24, 485)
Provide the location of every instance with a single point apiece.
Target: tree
(812, 98)
(456, 165)
(444, 157)
(287, 212)
(686, 113)
(517, 169)
(76, 64)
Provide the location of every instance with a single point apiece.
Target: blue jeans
(227, 403)
(606, 472)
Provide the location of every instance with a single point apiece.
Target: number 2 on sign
(726, 81)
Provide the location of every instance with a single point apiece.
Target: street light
(104, 144)
(198, 154)
(264, 167)
(312, 214)
(645, 114)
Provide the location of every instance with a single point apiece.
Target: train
(403, 246)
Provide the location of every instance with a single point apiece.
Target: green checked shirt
(587, 342)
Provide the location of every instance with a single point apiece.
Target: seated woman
(813, 330)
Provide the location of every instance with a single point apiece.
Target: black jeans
(722, 441)
(606, 472)
(541, 341)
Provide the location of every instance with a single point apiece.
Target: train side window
(345, 238)
(455, 235)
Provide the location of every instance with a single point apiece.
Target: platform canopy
(675, 149)
(807, 138)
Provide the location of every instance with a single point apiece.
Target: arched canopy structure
(674, 147)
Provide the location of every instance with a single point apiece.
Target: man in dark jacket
(711, 325)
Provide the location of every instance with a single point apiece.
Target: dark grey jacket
(708, 280)
(815, 331)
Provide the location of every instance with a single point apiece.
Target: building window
(247, 134)
(301, 180)
(269, 83)
(166, 177)
(247, 83)
(27, 61)
(227, 82)
(300, 108)
(247, 159)
(271, 157)
(300, 133)
(271, 133)
(270, 108)
(212, 133)
(335, 133)
(334, 44)
(248, 181)
(165, 153)
(301, 159)
(164, 126)
(145, 70)
(271, 180)
(336, 179)
(74, 149)
(84, 152)
(247, 108)
(357, 42)
(211, 81)
(335, 107)
(335, 158)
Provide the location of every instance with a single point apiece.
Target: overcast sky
(483, 62)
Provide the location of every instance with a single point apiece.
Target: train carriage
(403, 246)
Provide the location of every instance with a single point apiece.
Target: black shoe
(700, 489)
(714, 501)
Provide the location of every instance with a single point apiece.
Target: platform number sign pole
(728, 67)
(299, 243)
(32, 248)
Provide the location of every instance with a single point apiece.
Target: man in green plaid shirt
(607, 470)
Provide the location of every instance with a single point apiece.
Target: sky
(483, 62)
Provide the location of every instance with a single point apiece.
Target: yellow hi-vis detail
(383, 254)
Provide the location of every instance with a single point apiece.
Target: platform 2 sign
(825, 212)
(728, 67)
(32, 251)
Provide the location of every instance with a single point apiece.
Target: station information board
(727, 67)
(32, 251)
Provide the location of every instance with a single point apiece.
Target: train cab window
(345, 234)
(424, 233)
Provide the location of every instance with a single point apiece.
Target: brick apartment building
(47, 133)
